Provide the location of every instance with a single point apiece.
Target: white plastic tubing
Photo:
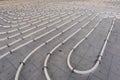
(7, 53)
(100, 55)
(31, 53)
(51, 52)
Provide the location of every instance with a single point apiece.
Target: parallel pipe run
(12, 21)
(7, 53)
(43, 17)
(99, 58)
(19, 28)
(51, 52)
(31, 53)
(43, 23)
(29, 34)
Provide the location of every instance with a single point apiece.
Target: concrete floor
(23, 29)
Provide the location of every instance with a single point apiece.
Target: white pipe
(30, 41)
(51, 52)
(24, 36)
(99, 58)
(19, 69)
(24, 27)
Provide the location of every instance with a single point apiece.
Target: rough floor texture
(23, 28)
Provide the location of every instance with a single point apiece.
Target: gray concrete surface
(28, 20)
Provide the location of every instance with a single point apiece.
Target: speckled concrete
(17, 24)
